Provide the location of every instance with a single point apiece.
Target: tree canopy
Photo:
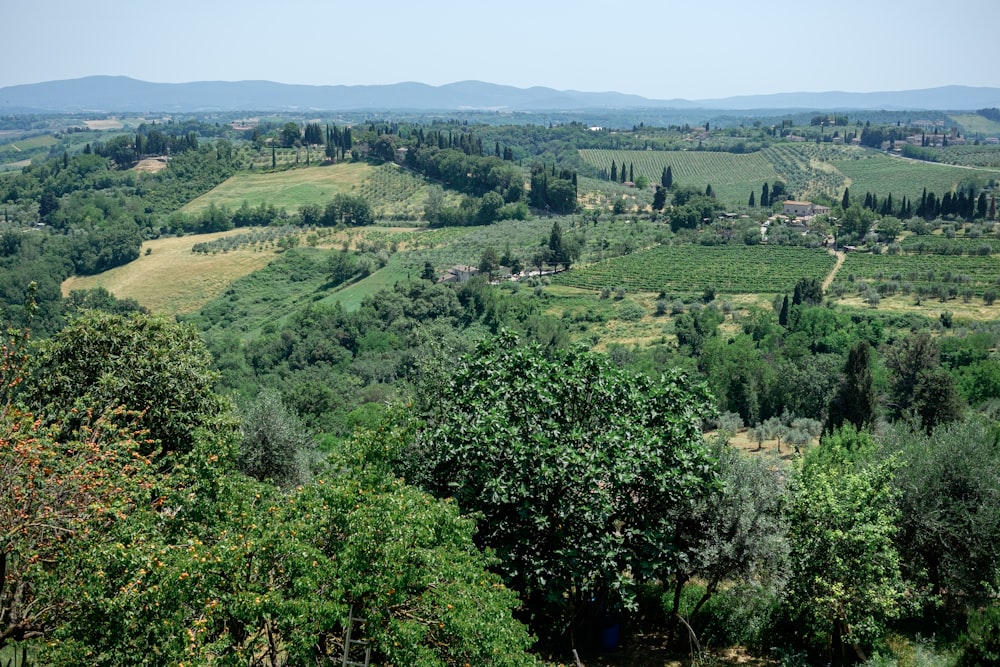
(551, 451)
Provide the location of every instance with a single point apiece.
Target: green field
(973, 123)
(690, 269)
(284, 189)
(969, 155)
(808, 170)
(964, 272)
(732, 176)
(882, 174)
(27, 145)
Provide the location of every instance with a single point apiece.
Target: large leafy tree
(843, 513)
(114, 558)
(575, 468)
(244, 574)
(146, 364)
(59, 489)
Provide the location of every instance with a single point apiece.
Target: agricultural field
(941, 245)
(396, 194)
(807, 169)
(287, 189)
(22, 151)
(973, 124)
(924, 273)
(969, 156)
(171, 279)
(690, 269)
(881, 174)
(732, 176)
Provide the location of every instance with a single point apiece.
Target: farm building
(458, 274)
(803, 209)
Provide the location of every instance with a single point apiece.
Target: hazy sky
(659, 49)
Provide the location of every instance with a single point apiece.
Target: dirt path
(836, 267)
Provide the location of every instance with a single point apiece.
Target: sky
(659, 49)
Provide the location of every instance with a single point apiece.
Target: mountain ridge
(106, 94)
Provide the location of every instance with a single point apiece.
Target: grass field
(26, 145)
(173, 280)
(288, 189)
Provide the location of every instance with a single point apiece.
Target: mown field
(392, 192)
(171, 279)
(690, 269)
(288, 189)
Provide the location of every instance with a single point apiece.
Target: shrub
(630, 311)
(981, 640)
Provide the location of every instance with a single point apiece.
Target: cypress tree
(751, 203)
(669, 178)
(614, 172)
(845, 202)
(621, 174)
(765, 199)
(631, 172)
(855, 401)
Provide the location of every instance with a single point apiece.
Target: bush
(981, 640)
(741, 615)
(630, 311)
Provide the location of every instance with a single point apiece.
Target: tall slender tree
(855, 401)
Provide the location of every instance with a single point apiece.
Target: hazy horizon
(646, 48)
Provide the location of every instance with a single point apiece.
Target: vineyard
(687, 269)
(732, 176)
(807, 170)
(882, 174)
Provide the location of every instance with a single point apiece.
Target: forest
(690, 429)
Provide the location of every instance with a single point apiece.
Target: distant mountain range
(103, 94)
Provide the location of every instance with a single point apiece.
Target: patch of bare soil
(106, 124)
(151, 165)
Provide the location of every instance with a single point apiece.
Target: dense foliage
(144, 520)
(550, 453)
